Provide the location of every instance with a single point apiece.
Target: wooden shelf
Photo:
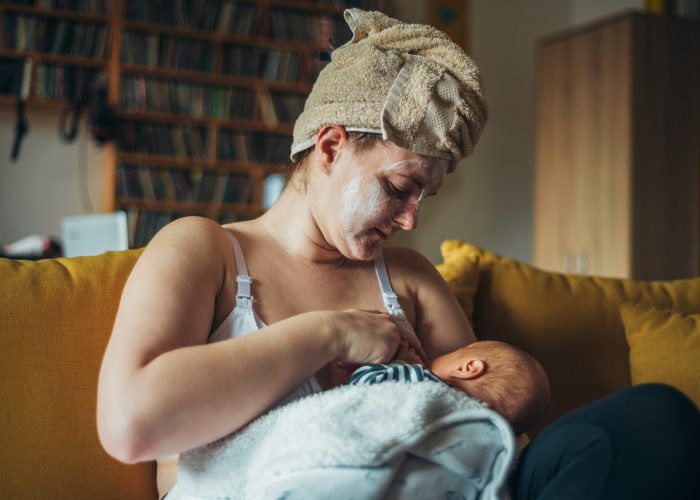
(308, 6)
(72, 15)
(254, 169)
(189, 207)
(220, 38)
(60, 59)
(248, 125)
(34, 102)
(215, 79)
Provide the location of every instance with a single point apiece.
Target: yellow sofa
(56, 316)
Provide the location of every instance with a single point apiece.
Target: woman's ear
(328, 143)
(469, 369)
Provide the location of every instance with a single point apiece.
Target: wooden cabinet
(617, 167)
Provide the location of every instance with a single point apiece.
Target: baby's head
(509, 380)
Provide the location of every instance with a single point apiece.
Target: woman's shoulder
(407, 260)
(190, 226)
(191, 233)
(191, 242)
(410, 266)
(194, 252)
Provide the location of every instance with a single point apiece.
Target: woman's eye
(396, 191)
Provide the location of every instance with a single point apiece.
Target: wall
(583, 11)
(49, 180)
(488, 201)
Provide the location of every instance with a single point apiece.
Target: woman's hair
(514, 385)
(360, 141)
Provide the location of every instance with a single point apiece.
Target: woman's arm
(163, 390)
(440, 322)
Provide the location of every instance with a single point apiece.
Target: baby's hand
(408, 354)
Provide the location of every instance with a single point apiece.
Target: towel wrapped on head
(408, 82)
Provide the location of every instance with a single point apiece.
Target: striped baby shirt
(397, 372)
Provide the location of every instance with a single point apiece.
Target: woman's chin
(364, 249)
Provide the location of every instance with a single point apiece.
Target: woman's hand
(366, 337)
(408, 354)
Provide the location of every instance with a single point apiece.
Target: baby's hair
(522, 400)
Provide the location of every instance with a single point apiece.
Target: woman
(388, 118)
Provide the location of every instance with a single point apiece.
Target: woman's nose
(407, 217)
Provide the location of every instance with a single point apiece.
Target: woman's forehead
(389, 159)
(428, 172)
(393, 153)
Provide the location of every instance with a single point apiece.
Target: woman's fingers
(368, 336)
(371, 336)
(412, 340)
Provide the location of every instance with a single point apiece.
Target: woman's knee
(660, 395)
(642, 441)
(647, 416)
(653, 405)
(661, 408)
(571, 461)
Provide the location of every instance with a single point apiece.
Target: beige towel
(408, 82)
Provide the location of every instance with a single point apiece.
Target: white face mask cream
(371, 202)
(362, 203)
(405, 168)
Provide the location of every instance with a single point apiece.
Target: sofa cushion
(570, 323)
(461, 272)
(56, 316)
(664, 347)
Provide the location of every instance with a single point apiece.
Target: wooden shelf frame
(33, 102)
(215, 79)
(165, 161)
(67, 14)
(41, 57)
(243, 125)
(223, 38)
(306, 6)
(214, 210)
(54, 58)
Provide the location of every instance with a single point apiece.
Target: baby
(508, 380)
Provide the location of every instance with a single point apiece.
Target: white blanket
(393, 440)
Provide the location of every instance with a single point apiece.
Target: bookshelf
(53, 52)
(206, 91)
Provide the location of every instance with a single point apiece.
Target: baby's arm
(405, 360)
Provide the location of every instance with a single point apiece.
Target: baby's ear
(469, 369)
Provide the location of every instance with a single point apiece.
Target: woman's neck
(291, 224)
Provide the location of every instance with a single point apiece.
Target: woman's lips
(381, 233)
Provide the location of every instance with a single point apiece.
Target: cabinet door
(554, 190)
(601, 148)
(582, 195)
(666, 149)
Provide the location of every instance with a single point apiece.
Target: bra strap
(243, 280)
(391, 300)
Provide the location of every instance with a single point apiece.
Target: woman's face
(378, 192)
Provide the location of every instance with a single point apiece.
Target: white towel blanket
(393, 440)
